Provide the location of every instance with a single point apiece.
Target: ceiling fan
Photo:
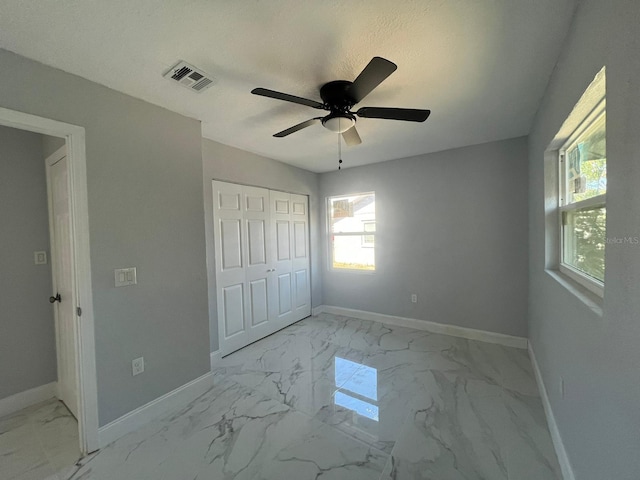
(339, 96)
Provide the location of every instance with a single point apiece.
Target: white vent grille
(190, 77)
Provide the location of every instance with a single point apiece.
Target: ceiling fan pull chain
(339, 148)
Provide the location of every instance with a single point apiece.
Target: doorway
(80, 371)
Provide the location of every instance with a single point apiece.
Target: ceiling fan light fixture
(338, 123)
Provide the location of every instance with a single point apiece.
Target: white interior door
(62, 262)
(301, 276)
(281, 275)
(230, 262)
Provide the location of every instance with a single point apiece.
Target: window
(583, 211)
(352, 230)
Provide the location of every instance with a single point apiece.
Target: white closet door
(262, 262)
(258, 267)
(301, 277)
(230, 262)
(281, 276)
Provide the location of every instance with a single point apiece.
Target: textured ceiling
(481, 66)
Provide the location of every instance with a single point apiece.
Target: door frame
(79, 219)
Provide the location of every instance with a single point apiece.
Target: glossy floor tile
(338, 398)
(38, 442)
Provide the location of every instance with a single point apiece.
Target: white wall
(221, 162)
(144, 175)
(27, 335)
(598, 356)
(451, 227)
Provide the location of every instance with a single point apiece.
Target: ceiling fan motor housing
(334, 95)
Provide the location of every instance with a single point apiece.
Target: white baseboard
(563, 458)
(434, 327)
(173, 400)
(215, 358)
(25, 399)
(317, 310)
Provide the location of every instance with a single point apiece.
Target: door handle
(55, 299)
(271, 270)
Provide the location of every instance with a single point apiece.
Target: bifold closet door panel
(258, 236)
(281, 256)
(230, 266)
(300, 261)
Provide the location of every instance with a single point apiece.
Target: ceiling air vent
(190, 77)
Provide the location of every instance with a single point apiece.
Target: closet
(262, 262)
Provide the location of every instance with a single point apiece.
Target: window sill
(590, 299)
(352, 270)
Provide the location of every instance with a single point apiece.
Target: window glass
(587, 164)
(352, 226)
(585, 240)
(349, 214)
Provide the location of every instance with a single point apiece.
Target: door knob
(55, 299)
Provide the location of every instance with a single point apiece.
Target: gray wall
(27, 333)
(144, 173)
(221, 162)
(51, 144)
(598, 356)
(452, 228)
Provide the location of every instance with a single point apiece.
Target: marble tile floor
(338, 398)
(37, 442)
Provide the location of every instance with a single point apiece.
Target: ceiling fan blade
(286, 97)
(297, 127)
(406, 114)
(351, 137)
(373, 75)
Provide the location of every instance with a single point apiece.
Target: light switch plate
(40, 258)
(125, 276)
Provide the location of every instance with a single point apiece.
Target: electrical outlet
(414, 298)
(137, 366)
(561, 388)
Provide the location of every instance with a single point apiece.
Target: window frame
(593, 284)
(371, 233)
(362, 234)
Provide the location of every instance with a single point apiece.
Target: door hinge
(79, 311)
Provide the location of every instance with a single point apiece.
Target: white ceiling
(481, 66)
